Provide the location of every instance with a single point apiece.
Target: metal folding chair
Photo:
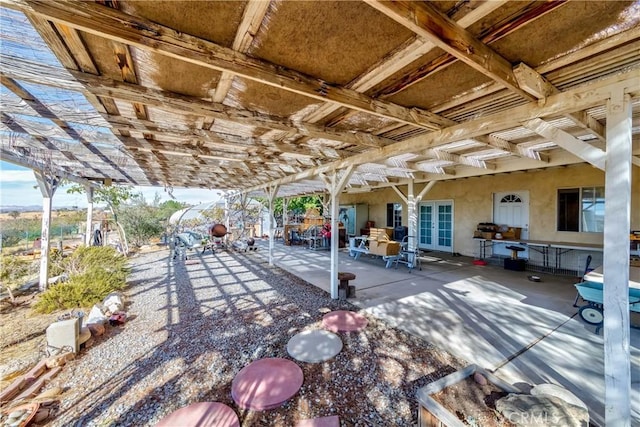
(409, 257)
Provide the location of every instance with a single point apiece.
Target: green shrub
(56, 262)
(10, 237)
(94, 272)
(15, 271)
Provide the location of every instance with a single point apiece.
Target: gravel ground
(192, 326)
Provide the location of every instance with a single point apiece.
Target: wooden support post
(337, 184)
(244, 204)
(48, 185)
(227, 216)
(335, 205)
(412, 201)
(285, 208)
(412, 219)
(272, 220)
(89, 228)
(617, 219)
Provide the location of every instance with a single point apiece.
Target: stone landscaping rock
(114, 302)
(541, 411)
(314, 346)
(59, 360)
(96, 329)
(96, 315)
(559, 392)
(479, 378)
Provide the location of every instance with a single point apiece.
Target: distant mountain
(34, 208)
(11, 208)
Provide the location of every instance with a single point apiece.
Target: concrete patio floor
(523, 331)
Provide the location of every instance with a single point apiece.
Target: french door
(435, 226)
(512, 209)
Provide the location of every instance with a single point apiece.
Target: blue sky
(18, 187)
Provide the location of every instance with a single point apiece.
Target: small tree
(141, 221)
(168, 208)
(14, 214)
(296, 205)
(114, 196)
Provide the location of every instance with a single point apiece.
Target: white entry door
(512, 209)
(435, 226)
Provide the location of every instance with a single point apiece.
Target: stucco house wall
(473, 202)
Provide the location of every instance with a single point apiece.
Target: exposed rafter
(424, 20)
(577, 99)
(403, 56)
(109, 88)
(538, 86)
(252, 17)
(582, 149)
(40, 108)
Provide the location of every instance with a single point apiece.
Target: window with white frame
(581, 209)
(394, 215)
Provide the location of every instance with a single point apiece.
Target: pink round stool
(201, 414)
(344, 321)
(266, 384)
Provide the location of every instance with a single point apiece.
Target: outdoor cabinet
(354, 217)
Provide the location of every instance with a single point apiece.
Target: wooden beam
(525, 16)
(223, 142)
(582, 149)
(624, 40)
(69, 47)
(535, 84)
(48, 144)
(49, 33)
(252, 17)
(148, 35)
(457, 159)
(586, 122)
(401, 57)
(426, 21)
(400, 194)
(171, 101)
(532, 82)
(201, 151)
(419, 167)
(509, 147)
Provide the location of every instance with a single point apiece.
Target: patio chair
(586, 270)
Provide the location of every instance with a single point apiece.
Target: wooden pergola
(284, 98)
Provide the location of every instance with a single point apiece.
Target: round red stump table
(201, 414)
(344, 321)
(266, 384)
